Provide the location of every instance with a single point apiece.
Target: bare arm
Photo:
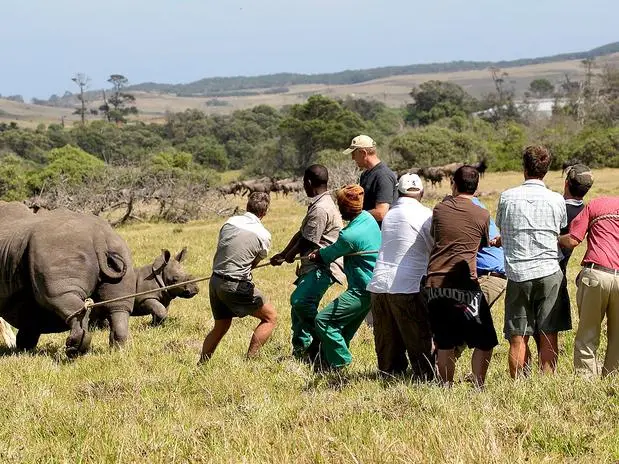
(379, 211)
(568, 242)
(288, 253)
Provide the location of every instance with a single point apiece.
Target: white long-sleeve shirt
(405, 249)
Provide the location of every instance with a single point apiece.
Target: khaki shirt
(321, 226)
(242, 239)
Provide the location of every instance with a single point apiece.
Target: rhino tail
(112, 264)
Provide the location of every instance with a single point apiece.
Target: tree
(500, 104)
(434, 100)
(434, 146)
(82, 81)
(207, 151)
(120, 104)
(541, 88)
(318, 124)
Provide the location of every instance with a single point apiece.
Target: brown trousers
(401, 327)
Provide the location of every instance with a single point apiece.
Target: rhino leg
(158, 310)
(78, 341)
(119, 328)
(27, 339)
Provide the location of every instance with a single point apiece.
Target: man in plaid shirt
(530, 218)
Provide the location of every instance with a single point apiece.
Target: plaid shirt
(530, 217)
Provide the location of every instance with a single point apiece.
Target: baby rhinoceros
(164, 271)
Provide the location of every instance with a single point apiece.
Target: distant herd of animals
(264, 184)
(435, 175)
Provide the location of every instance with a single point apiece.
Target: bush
(69, 165)
(434, 146)
(596, 147)
(14, 173)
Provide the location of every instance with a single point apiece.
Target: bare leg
(268, 321)
(518, 347)
(213, 338)
(548, 352)
(446, 363)
(479, 365)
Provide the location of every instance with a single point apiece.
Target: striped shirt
(530, 218)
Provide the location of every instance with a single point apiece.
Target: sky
(43, 43)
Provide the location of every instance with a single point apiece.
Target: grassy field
(151, 403)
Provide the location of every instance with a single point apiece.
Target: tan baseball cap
(360, 141)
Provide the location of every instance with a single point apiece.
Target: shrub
(69, 165)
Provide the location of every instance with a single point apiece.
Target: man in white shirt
(401, 322)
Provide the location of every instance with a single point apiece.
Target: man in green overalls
(320, 228)
(338, 322)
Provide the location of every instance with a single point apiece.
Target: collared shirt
(602, 234)
(405, 250)
(490, 259)
(530, 217)
(321, 226)
(361, 234)
(241, 240)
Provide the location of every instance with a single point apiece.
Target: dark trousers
(401, 327)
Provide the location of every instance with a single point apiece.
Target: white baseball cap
(409, 182)
(360, 141)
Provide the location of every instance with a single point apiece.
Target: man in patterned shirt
(530, 218)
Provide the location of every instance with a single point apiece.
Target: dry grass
(150, 403)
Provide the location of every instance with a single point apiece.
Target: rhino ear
(162, 260)
(181, 255)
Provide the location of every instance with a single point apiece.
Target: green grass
(151, 403)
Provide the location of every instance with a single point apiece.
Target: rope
(604, 216)
(89, 303)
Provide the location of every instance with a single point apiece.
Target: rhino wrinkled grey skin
(50, 263)
(165, 270)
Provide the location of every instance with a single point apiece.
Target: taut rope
(89, 303)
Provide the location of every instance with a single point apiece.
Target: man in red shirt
(598, 283)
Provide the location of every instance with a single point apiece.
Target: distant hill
(240, 86)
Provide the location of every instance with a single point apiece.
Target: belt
(597, 267)
(228, 278)
(491, 274)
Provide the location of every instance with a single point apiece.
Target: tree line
(441, 124)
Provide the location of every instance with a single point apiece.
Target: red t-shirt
(602, 236)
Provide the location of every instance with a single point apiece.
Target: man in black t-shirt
(378, 181)
(578, 181)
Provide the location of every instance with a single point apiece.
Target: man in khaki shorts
(598, 284)
(243, 243)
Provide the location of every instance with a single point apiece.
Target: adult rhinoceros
(50, 263)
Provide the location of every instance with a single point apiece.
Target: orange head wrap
(350, 199)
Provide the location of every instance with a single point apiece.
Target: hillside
(234, 86)
(392, 89)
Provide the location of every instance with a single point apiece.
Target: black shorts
(460, 316)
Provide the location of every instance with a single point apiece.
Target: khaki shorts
(492, 287)
(234, 299)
